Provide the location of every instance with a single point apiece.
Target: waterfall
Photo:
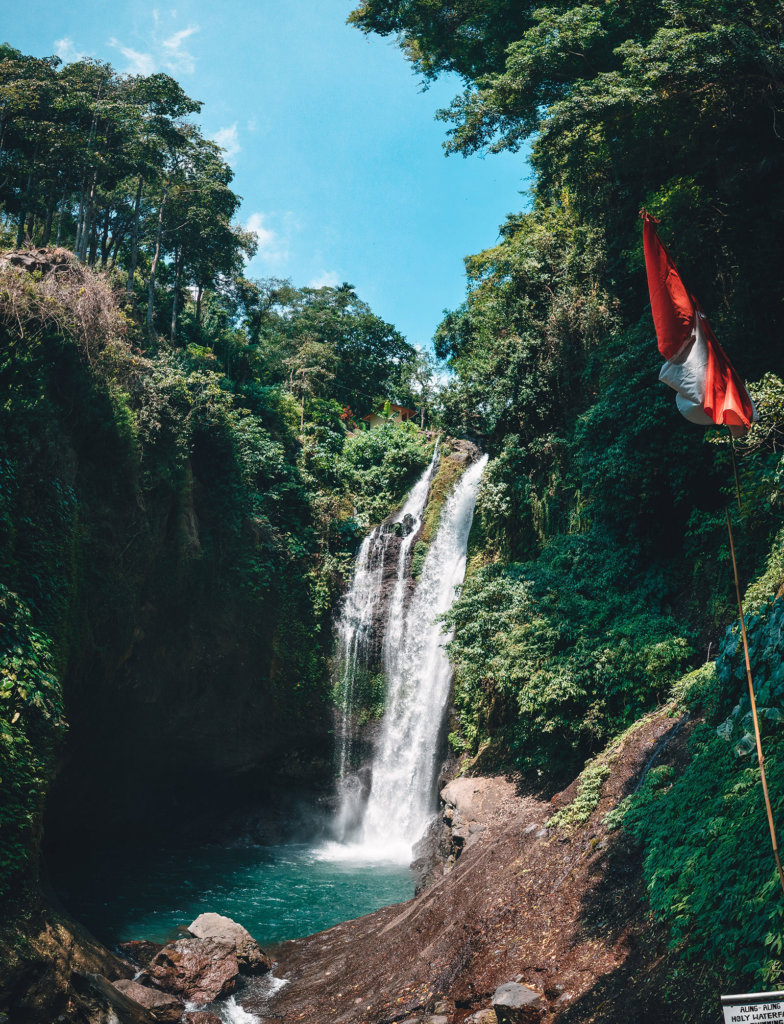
(361, 608)
(355, 629)
(389, 819)
(402, 796)
(415, 507)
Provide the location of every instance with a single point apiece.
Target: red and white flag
(708, 388)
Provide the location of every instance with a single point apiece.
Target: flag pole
(768, 808)
(735, 469)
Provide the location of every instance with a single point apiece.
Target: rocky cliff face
(180, 701)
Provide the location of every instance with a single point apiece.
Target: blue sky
(332, 139)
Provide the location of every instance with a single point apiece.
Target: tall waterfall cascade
(386, 817)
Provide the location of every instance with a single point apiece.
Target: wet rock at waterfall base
(250, 956)
(431, 853)
(200, 1017)
(99, 1000)
(197, 970)
(162, 1006)
(518, 1004)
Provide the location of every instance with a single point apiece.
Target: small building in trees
(397, 414)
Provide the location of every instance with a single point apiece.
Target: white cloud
(326, 279)
(177, 58)
(255, 223)
(66, 50)
(252, 124)
(138, 63)
(273, 245)
(228, 139)
(168, 53)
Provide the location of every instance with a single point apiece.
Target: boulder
(518, 1004)
(250, 956)
(98, 1001)
(162, 1006)
(477, 799)
(200, 1017)
(196, 970)
(487, 1016)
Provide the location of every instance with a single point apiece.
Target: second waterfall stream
(383, 622)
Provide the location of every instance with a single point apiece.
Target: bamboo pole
(752, 698)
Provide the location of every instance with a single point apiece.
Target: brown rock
(99, 1000)
(518, 1004)
(482, 1017)
(200, 1017)
(196, 970)
(250, 956)
(161, 1005)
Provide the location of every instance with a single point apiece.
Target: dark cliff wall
(160, 539)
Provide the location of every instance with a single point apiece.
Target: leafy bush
(553, 657)
(380, 465)
(706, 850)
(31, 726)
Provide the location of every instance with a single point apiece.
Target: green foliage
(707, 858)
(706, 852)
(369, 689)
(380, 465)
(443, 484)
(589, 790)
(418, 556)
(553, 657)
(589, 785)
(31, 728)
(763, 628)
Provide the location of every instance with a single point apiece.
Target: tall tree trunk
(50, 205)
(134, 237)
(60, 209)
(93, 242)
(80, 218)
(177, 282)
(89, 217)
(117, 239)
(80, 245)
(105, 237)
(199, 293)
(154, 269)
(20, 229)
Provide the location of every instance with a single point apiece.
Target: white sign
(753, 1007)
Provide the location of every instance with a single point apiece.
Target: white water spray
(402, 796)
(355, 627)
